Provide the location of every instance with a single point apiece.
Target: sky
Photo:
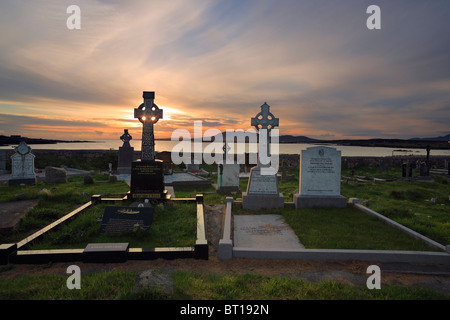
(323, 72)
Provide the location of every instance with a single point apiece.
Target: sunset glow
(322, 71)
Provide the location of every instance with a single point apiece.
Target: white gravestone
(22, 166)
(320, 179)
(228, 179)
(262, 188)
(228, 173)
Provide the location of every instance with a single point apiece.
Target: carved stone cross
(126, 137)
(148, 114)
(265, 121)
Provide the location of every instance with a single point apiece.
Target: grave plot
(175, 231)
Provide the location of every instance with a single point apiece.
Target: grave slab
(105, 252)
(266, 231)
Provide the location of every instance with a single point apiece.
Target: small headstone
(192, 167)
(88, 179)
(55, 175)
(22, 166)
(228, 174)
(424, 170)
(122, 219)
(407, 170)
(126, 153)
(320, 179)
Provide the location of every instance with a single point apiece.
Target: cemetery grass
(406, 202)
(59, 201)
(419, 205)
(172, 226)
(118, 285)
(179, 221)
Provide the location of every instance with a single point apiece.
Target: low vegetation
(421, 206)
(117, 284)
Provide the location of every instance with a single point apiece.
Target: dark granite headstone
(406, 170)
(122, 219)
(126, 154)
(424, 169)
(147, 180)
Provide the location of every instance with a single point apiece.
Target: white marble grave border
(228, 251)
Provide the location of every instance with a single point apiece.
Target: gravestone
(55, 175)
(123, 219)
(22, 166)
(192, 167)
(126, 153)
(262, 188)
(228, 173)
(147, 174)
(407, 170)
(320, 179)
(424, 170)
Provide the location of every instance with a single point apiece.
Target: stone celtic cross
(225, 149)
(264, 122)
(148, 114)
(265, 119)
(126, 137)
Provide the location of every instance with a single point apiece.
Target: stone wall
(291, 161)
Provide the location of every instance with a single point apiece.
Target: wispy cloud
(318, 66)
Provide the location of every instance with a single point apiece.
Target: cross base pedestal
(147, 181)
(262, 201)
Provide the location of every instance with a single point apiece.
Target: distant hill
(16, 139)
(297, 139)
(440, 138)
(435, 143)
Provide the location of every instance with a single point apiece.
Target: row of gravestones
(320, 168)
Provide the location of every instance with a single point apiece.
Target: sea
(167, 145)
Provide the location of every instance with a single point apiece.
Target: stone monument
(320, 179)
(147, 174)
(126, 154)
(228, 173)
(22, 166)
(262, 188)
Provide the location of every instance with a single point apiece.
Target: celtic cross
(264, 122)
(225, 149)
(126, 137)
(148, 114)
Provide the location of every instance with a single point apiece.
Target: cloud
(317, 65)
